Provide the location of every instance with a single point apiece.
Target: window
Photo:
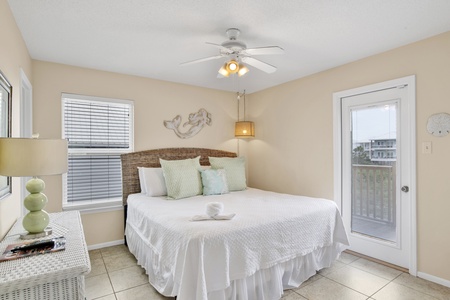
(98, 130)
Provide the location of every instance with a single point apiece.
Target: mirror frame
(5, 122)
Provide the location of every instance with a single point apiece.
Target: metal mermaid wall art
(196, 120)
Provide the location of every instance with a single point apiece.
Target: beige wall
(294, 125)
(13, 56)
(293, 150)
(154, 102)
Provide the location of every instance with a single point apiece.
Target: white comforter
(205, 256)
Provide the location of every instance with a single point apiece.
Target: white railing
(373, 193)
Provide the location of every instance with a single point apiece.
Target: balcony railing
(373, 193)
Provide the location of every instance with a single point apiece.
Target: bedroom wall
(293, 149)
(13, 56)
(154, 102)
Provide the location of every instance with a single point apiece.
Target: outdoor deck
(374, 201)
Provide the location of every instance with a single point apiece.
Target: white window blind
(98, 131)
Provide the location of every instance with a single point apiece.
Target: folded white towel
(217, 217)
(213, 212)
(214, 208)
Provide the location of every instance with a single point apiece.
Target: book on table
(25, 249)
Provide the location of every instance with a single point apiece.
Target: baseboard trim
(107, 244)
(378, 261)
(434, 279)
(422, 275)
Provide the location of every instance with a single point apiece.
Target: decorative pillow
(152, 182)
(235, 171)
(214, 182)
(182, 177)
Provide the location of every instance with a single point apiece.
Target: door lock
(405, 188)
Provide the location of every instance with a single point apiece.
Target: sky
(374, 122)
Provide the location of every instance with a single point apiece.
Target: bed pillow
(182, 177)
(152, 182)
(214, 182)
(235, 171)
(141, 180)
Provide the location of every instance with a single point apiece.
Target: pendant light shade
(244, 129)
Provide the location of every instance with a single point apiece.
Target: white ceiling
(150, 38)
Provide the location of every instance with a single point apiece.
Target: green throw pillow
(235, 171)
(214, 182)
(182, 177)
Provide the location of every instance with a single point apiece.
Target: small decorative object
(196, 120)
(439, 124)
(33, 157)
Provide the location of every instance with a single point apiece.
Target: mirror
(5, 126)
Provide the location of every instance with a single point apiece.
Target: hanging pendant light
(243, 129)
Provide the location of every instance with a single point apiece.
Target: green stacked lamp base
(37, 220)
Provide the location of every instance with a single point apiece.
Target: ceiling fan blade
(223, 49)
(259, 64)
(270, 50)
(201, 60)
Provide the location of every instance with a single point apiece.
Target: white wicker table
(57, 275)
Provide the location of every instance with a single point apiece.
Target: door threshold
(377, 261)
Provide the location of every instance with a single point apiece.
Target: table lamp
(32, 157)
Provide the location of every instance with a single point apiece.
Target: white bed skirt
(265, 284)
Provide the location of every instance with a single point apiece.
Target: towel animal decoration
(213, 212)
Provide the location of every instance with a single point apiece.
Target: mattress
(199, 259)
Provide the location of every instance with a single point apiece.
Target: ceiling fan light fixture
(232, 66)
(242, 70)
(223, 71)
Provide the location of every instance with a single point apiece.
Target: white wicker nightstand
(57, 275)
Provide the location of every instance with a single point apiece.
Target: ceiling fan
(238, 54)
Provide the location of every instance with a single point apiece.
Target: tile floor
(116, 276)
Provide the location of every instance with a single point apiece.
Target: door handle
(405, 188)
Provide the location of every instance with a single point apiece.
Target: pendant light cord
(244, 105)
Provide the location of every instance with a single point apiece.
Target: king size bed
(265, 243)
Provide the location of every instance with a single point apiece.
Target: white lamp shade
(32, 157)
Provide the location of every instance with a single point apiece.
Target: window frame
(93, 206)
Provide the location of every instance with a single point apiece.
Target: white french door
(376, 189)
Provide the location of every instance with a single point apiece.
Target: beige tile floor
(116, 276)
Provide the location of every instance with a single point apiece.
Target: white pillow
(142, 180)
(152, 182)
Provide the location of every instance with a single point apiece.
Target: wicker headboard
(150, 159)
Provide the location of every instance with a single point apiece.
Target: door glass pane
(374, 157)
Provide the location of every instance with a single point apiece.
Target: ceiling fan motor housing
(233, 33)
(234, 45)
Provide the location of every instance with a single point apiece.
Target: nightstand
(57, 275)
